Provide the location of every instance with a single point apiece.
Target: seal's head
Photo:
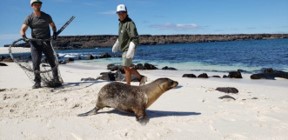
(166, 84)
(156, 88)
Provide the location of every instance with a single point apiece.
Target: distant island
(92, 41)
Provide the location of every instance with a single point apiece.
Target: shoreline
(179, 73)
(5, 50)
(102, 67)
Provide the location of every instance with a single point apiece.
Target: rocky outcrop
(234, 74)
(171, 39)
(92, 41)
(269, 73)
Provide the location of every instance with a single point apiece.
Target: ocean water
(249, 55)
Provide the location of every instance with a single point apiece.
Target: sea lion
(134, 99)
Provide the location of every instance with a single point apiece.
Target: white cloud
(170, 26)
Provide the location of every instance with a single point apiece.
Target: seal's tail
(91, 112)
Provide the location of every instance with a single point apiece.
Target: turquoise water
(250, 56)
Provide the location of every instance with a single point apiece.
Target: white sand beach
(193, 110)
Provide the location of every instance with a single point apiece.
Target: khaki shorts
(126, 61)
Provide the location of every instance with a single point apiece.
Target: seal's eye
(171, 82)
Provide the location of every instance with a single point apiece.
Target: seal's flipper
(91, 112)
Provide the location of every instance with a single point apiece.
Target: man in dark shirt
(39, 23)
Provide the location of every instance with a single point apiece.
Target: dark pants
(37, 48)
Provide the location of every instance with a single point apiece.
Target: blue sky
(155, 17)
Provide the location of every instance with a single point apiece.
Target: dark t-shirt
(127, 33)
(39, 25)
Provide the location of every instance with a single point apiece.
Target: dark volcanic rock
(189, 75)
(105, 55)
(235, 74)
(3, 64)
(113, 67)
(269, 73)
(8, 59)
(168, 68)
(203, 75)
(262, 76)
(216, 76)
(139, 66)
(108, 76)
(146, 66)
(227, 89)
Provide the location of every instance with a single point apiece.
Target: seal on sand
(134, 99)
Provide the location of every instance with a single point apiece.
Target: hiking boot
(36, 85)
(143, 80)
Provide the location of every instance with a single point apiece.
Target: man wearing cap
(127, 41)
(39, 23)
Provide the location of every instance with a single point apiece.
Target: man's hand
(54, 35)
(25, 38)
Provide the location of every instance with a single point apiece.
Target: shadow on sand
(69, 86)
(154, 113)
